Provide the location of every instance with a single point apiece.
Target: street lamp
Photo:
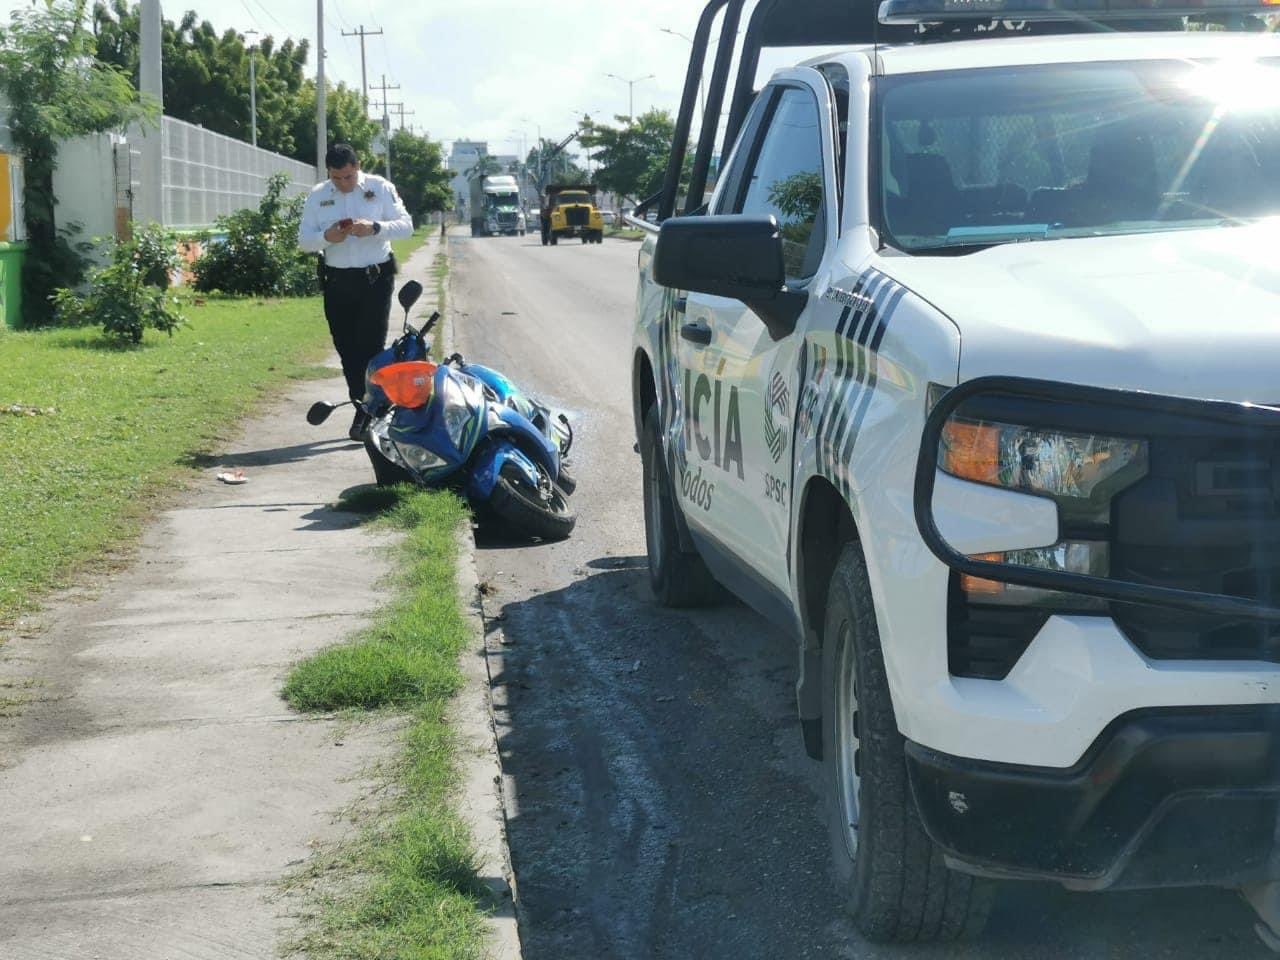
(631, 90)
(702, 90)
(253, 88)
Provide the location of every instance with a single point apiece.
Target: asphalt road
(660, 803)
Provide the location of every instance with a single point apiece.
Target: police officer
(351, 219)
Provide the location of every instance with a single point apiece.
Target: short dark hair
(340, 155)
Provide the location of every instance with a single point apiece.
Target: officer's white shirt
(373, 198)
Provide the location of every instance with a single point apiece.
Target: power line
(272, 16)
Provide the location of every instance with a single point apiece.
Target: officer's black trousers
(358, 312)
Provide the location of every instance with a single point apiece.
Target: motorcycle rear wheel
(529, 511)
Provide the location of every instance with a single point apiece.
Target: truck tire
(554, 239)
(898, 888)
(677, 579)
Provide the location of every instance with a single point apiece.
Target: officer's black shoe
(359, 427)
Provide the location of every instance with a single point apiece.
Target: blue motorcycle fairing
(531, 440)
(488, 466)
(424, 427)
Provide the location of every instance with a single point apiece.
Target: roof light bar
(936, 11)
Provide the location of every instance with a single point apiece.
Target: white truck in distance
(962, 374)
(495, 207)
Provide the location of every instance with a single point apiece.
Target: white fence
(207, 175)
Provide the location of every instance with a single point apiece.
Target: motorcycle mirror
(320, 411)
(409, 294)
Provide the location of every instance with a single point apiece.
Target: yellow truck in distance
(570, 211)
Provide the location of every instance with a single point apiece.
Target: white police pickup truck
(962, 373)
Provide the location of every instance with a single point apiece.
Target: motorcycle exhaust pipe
(320, 411)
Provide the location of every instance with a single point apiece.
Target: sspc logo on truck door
(778, 402)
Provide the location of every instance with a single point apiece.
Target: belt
(374, 271)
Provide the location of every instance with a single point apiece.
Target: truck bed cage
(773, 23)
(793, 23)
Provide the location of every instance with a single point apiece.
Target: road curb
(481, 803)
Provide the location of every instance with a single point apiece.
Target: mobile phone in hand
(345, 223)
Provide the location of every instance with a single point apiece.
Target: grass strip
(94, 437)
(624, 233)
(404, 249)
(407, 887)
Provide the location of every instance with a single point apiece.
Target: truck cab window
(786, 181)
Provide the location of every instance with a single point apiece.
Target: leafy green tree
(206, 81)
(420, 174)
(632, 156)
(346, 123)
(56, 91)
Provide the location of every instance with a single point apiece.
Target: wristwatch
(377, 228)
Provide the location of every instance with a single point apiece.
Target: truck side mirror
(730, 256)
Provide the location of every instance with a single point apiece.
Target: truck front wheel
(898, 887)
(678, 579)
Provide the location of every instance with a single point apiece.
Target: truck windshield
(504, 199)
(564, 198)
(971, 158)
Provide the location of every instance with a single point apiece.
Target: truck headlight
(1090, 557)
(1082, 472)
(1037, 460)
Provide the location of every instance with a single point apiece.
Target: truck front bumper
(1169, 797)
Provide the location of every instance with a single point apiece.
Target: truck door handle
(696, 333)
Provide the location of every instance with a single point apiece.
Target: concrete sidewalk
(155, 788)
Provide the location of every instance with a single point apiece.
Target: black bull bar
(1174, 414)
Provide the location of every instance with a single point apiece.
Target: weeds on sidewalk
(407, 888)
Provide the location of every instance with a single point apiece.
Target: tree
(206, 82)
(57, 90)
(632, 156)
(420, 174)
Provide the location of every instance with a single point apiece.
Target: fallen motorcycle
(467, 427)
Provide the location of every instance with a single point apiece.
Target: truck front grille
(1206, 518)
(577, 216)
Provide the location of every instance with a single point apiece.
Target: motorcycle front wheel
(541, 512)
(387, 474)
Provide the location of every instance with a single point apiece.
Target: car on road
(963, 373)
(609, 217)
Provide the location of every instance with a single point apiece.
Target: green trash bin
(11, 257)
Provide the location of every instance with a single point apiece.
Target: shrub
(259, 255)
(128, 295)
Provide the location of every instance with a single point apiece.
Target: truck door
(739, 386)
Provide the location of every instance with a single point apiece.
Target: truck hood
(1191, 313)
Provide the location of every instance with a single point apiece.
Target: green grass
(624, 233)
(404, 249)
(94, 437)
(406, 888)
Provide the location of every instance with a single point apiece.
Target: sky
(494, 70)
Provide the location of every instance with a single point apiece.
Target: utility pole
(253, 88)
(149, 207)
(403, 112)
(322, 107)
(364, 75)
(386, 118)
